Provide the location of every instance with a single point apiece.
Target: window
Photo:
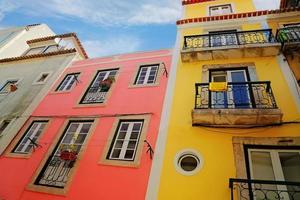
(3, 126)
(68, 82)
(52, 48)
(57, 169)
(188, 162)
(126, 140)
(36, 50)
(275, 165)
(28, 140)
(4, 36)
(43, 49)
(147, 74)
(96, 93)
(42, 78)
(7, 87)
(220, 10)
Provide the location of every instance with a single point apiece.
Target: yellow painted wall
(215, 144)
(293, 60)
(202, 9)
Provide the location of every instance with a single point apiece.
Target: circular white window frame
(188, 152)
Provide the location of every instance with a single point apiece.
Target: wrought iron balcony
(246, 189)
(94, 95)
(238, 95)
(289, 37)
(229, 38)
(205, 45)
(56, 173)
(243, 104)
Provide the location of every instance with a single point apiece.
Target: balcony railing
(95, 95)
(288, 34)
(246, 189)
(237, 95)
(228, 39)
(56, 173)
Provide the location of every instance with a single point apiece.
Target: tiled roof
(187, 2)
(236, 15)
(60, 36)
(41, 55)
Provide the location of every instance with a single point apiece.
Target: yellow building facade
(231, 121)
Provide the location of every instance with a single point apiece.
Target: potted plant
(68, 152)
(105, 84)
(13, 87)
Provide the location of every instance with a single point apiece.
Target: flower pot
(68, 155)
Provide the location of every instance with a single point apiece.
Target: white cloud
(5, 7)
(106, 12)
(266, 4)
(112, 46)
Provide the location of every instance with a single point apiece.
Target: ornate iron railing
(246, 189)
(56, 173)
(228, 39)
(288, 34)
(94, 95)
(237, 95)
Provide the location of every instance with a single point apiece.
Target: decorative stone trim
(239, 154)
(236, 15)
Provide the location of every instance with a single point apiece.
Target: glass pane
(262, 166)
(35, 51)
(116, 153)
(85, 128)
(263, 170)
(122, 135)
(129, 154)
(119, 144)
(124, 126)
(73, 127)
(131, 145)
(290, 162)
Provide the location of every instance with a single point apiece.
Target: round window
(188, 162)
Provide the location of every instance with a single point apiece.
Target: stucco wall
(16, 45)
(14, 104)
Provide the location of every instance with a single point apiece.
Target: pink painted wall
(93, 180)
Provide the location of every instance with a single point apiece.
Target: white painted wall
(16, 45)
(18, 106)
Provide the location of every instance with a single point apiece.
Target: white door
(276, 165)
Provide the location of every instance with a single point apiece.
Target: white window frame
(37, 82)
(148, 70)
(97, 81)
(276, 165)
(126, 140)
(219, 8)
(33, 136)
(40, 47)
(70, 81)
(6, 82)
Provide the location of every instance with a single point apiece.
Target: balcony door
(223, 38)
(237, 95)
(275, 165)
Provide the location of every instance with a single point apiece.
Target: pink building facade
(92, 136)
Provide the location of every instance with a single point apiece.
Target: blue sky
(105, 27)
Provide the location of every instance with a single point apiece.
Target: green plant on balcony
(106, 84)
(283, 36)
